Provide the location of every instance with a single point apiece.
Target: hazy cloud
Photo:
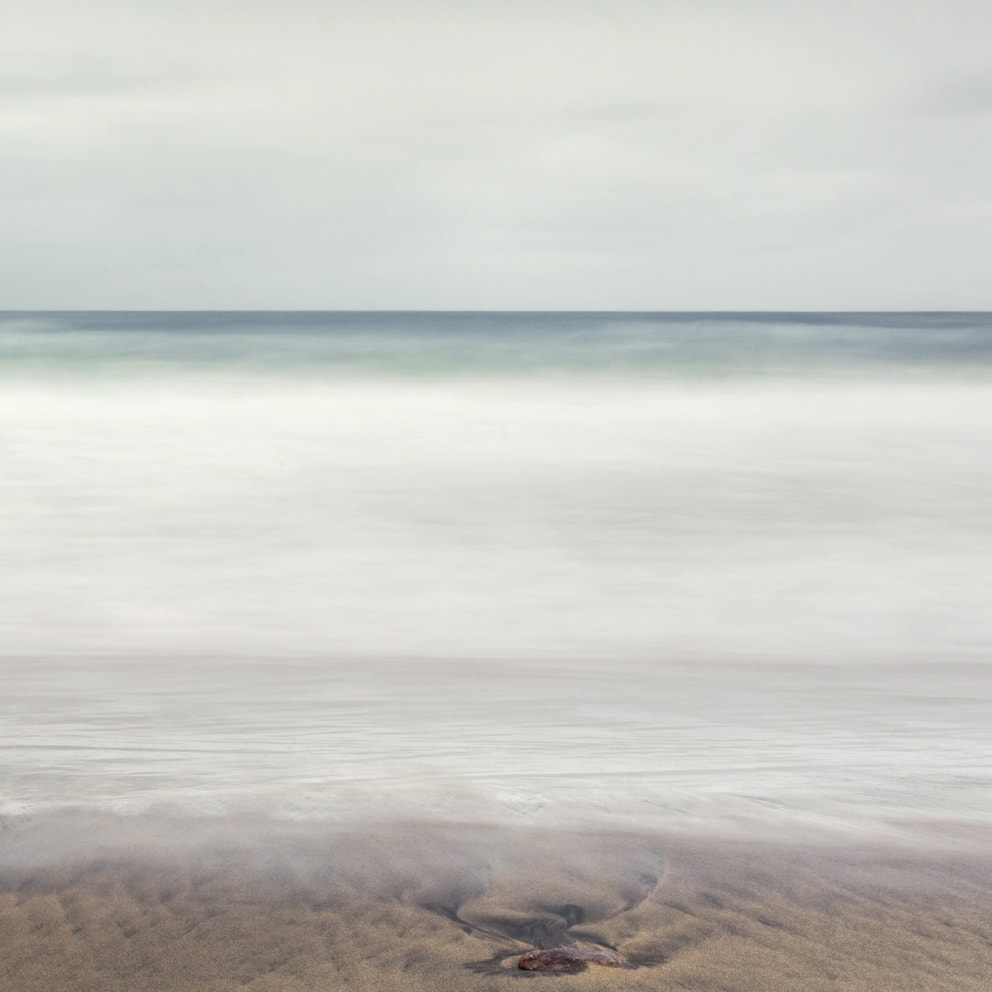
(646, 155)
(957, 95)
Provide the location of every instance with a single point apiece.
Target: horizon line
(475, 311)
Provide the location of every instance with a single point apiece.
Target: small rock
(566, 959)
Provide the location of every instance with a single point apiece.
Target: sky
(496, 154)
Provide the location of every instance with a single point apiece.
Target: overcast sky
(630, 154)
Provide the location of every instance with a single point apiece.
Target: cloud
(954, 96)
(472, 150)
(85, 79)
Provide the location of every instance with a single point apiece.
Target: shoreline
(115, 904)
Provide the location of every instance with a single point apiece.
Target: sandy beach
(103, 904)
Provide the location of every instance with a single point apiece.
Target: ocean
(724, 573)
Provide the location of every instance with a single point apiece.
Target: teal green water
(342, 344)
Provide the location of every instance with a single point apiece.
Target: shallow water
(771, 750)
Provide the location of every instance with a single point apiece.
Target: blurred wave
(570, 498)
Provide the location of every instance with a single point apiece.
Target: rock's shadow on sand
(517, 935)
(516, 926)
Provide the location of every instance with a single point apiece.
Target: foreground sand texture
(426, 907)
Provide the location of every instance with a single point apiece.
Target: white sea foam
(464, 518)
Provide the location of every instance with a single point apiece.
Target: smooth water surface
(702, 568)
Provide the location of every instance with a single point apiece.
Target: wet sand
(104, 904)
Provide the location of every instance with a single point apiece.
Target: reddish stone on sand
(566, 959)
